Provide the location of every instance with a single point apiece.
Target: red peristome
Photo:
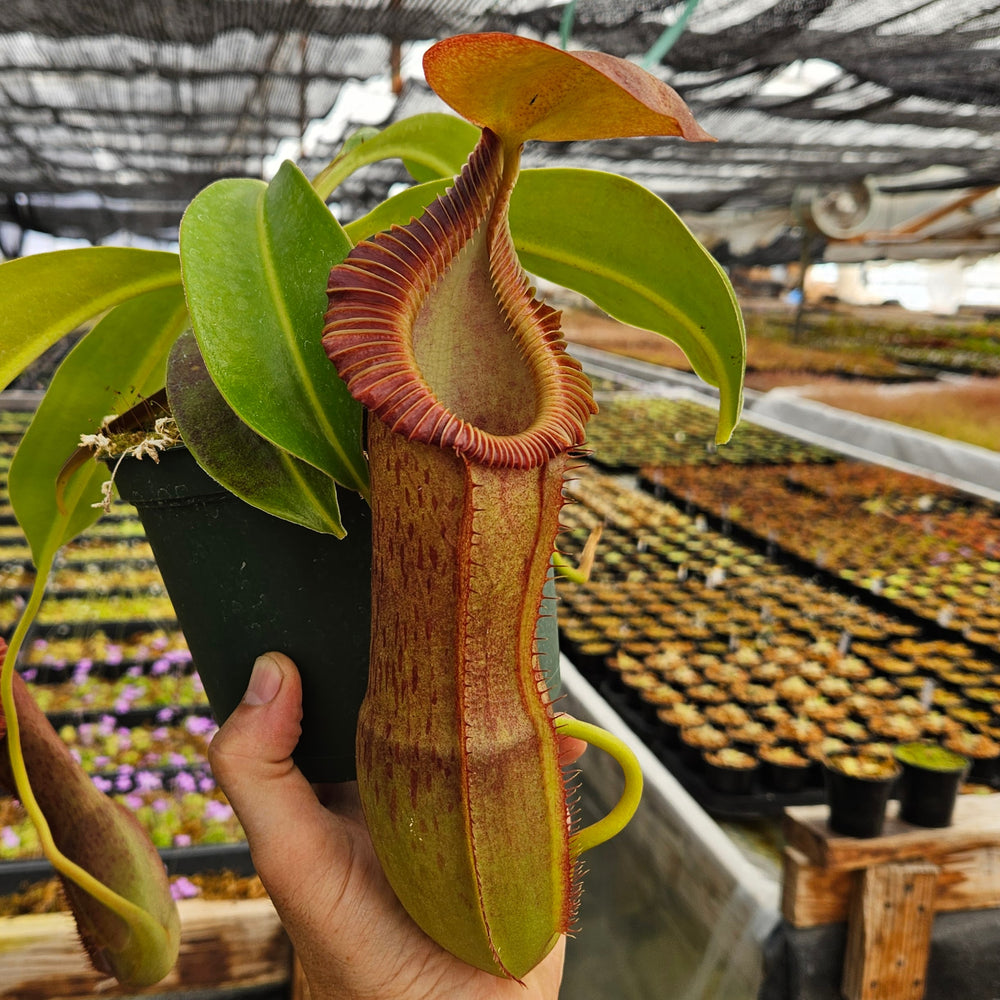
(377, 293)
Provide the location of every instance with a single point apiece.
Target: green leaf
(255, 260)
(120, 361)
(237, 457)
(397, 210)
(625, 249)
(432, 145)
(46, 296)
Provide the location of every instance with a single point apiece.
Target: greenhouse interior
(663, 415)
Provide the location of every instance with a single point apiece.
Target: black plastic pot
(785, 778)
(929, 784)
(729, 780)
(243, 582)
(857, 804)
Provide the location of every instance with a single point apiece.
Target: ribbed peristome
(492, 381)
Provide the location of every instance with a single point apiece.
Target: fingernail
(265, 679)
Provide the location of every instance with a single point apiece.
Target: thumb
(251, 758)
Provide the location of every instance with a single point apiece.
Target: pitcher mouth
(500, 390)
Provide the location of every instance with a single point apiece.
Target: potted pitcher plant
(451, 410)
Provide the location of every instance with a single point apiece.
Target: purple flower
(30, 674)
(206, 783)
(160, 667)
(199, 725)
(159, 642)
(183, 888)
(182, 840)
(133, 801)
(101, 784)
(165, 715)
(184, 782)
(161, 805)
(134, 672)
(9, 837)
(218, 811)
(112, 655)
(148, 781)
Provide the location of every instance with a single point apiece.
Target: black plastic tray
(16, 876)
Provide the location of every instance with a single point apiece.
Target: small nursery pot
(730, 772)
(243, 582)
(928, 788)
(784, 773)
(858, 800)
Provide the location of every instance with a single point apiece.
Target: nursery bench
(888, 888)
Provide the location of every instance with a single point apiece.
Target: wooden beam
(812, 895)
(889, 932)
(976, 826)
(238, 943)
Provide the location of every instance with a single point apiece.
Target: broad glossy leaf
(629, 253)
(234, 455)
(432, 145)
(121, 360)
(524, 89)
(46, 296)
(665, 281)
(255, 260)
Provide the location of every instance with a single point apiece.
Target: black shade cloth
(113, 115)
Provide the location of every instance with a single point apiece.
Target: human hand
(312, 850)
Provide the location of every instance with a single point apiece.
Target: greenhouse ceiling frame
(112, 116)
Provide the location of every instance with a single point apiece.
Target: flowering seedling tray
(199, 859)
(112, 629)
(122, 781)
(161, 714)
(50, 674)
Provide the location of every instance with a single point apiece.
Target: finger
(251, 757)
(570, 748)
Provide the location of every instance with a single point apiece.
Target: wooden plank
(976, 826)
(889, 932)
(238, 943)
(812, 895)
